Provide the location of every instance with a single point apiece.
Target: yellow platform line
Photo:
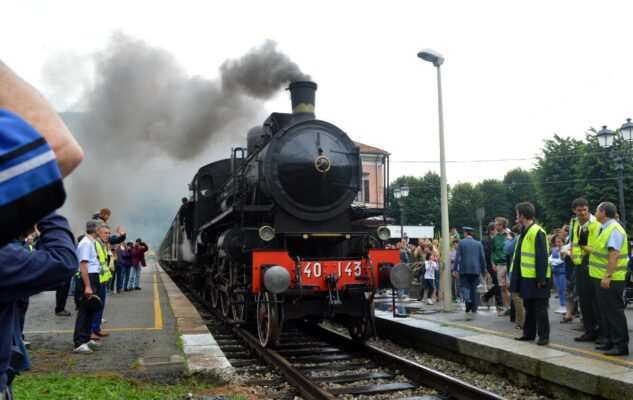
(158, 316)
(554, 345)
(109, 330)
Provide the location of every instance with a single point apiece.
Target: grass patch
(98, 387)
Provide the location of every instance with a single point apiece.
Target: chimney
(302, 94)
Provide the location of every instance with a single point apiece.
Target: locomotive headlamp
(383, 233)
(266, 233)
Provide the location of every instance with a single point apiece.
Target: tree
(521, 186)
(494, 199)
(422, 206)
(560, 178)
(464, 200)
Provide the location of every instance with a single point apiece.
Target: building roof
(367, 149)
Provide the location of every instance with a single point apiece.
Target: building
(375, 164)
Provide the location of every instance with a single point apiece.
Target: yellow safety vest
(577, 253)
(599, 258)
(528, 253)
(104, 273)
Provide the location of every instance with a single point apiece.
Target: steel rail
(419, 373)
(308, 388)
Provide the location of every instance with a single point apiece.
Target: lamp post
(398, 193)
(606, 139)
(437, 59)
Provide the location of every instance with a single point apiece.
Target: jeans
(430, 288)
(119, 273)
(126, 277)
(135, 277)
(468, 286)
(96, 321)
(561, 282)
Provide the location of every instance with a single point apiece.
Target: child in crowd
(429, 277)
(557, 263)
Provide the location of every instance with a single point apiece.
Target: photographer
(24, 273)
(38, 150)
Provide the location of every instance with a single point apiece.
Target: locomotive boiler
(275, 233)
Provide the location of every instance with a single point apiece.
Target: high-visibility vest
(599, 258)
(577, 253)
(104, 272)
(528, 253)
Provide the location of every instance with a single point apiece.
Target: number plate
(321, 269)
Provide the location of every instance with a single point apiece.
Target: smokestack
(302, 95)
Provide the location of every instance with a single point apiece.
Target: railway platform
(486, 339)
(154, 333)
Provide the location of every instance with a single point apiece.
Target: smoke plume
(143, 109)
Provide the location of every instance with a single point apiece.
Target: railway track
(314, 362)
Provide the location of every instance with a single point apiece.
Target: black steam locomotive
(275, 234)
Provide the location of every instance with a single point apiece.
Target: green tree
(422, 206)
(521, 186)
(597, 171)
(560, 178)
(494, 199)
(464, 199)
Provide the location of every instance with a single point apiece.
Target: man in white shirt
(87, 287)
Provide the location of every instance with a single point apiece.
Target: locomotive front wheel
(268, 327)
(360, 327)
(238, 303)
(225, 303)
(215, 295)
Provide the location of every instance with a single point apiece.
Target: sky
(515, 72)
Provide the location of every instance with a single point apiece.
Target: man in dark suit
(531, 275)
(470, 260)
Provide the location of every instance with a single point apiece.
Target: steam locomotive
(275, 232)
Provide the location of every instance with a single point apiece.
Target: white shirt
(87, 252)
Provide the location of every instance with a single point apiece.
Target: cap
(468, 229)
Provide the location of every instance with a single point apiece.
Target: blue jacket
(470, 257)
(24, 273)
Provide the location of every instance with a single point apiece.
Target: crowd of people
(583, 264)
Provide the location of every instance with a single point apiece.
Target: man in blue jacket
(24, 273)
(470, 261)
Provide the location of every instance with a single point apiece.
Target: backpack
(31, 184)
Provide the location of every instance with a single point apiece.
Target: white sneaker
(103, 321)
(561, 310)
(429, 301)
(83, 349)
(93, 344)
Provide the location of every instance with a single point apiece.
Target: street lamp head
(397, 193)
(431, 56)
(627, 130)
(404, 190)
(605, 137)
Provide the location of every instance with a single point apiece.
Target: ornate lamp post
(606, 139)
(399, 193)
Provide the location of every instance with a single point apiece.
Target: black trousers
(588, 300)
(83, 323)
(494, 290)
(611, 307)
(536, 318)
(61, 295)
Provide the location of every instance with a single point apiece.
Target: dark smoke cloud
(143, 107)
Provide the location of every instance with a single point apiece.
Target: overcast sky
(515, 72)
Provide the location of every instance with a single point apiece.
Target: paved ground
(143, 339)
(487, 321)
